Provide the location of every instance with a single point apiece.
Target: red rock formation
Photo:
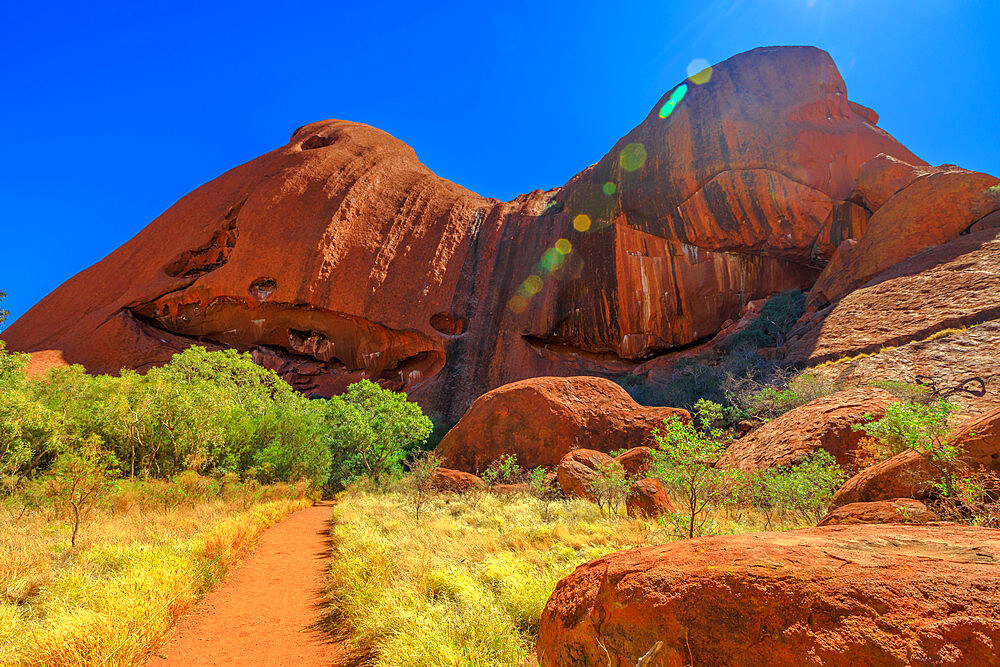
(979, 441)
(931, 210)
(897, 510)
(455, 481)
(541, 419)
(842, 596)
(636, 461)
(905, 475)
(340, 256)
(824, 423)
(648, 498)
(578, 469)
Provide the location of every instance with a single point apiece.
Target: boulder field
(836, 595)
(339, 256)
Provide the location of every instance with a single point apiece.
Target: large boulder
(579, 468)
(339, 256)
(636, 461)
(897, 510)
(906, 475)
(541, 419)
(932, 210)
(824, 423)
(648, 498)
(979, 441)
(837, 595)
(455, 481)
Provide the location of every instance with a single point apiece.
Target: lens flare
(531, 286)
(633, 156)
(564, 247)
(517, 304)
(551, 260)
(581, 223)
(609, 188)
(699, 71)
(675, 99)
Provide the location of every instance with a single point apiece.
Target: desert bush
(422, 466)
(504, 470)
(769, 329)
(754, 400)
(609, 487)
(801, 491)
(921, 428)
(80, 478)
(906, 392)
(975, 499)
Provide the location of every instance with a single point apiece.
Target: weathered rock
(836, 595)
(455, 481)
(905, 475)
(578, 469)
(952, 285)
(897, 510)
(636, 461)
(930, 211)
(507, 489)
(541, 419)
(962, 366)
(648, 498)
(883, 176)
(979, 441)
(339, 256)
(824, 423)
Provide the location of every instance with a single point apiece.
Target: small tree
(684, 460)
(538, 483)
(422, 466)
(610, 486)
(79, 479)
(921, 428)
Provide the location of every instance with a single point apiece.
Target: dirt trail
(266, 610)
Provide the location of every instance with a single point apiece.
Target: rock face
(339, 255)
(931, 210)
(455, 481)
(897, 510)
(578, 469)
(648, 499)
(905, 475)
(824, 423)
(979, 441)
(837, 595)
(541, 419)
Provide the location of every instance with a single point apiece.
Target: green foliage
(80, 477)
(684, 460)
(609, 487)
(422, 466)
(905, 391)
(803, 490)
(752, 400)
(504, 470)
(769, 329)
(3, 313)
(371, 431)
(922, 428)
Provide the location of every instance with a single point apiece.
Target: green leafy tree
(422, 466)
(804, 490)
(371, 429)
(80, 477)
(684, 460)
(538, 483)
(610, 486)
(923, 429)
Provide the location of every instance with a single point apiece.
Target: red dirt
(266, 612)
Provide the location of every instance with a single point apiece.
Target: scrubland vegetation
(466, 584)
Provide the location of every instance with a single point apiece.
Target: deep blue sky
(114, 110)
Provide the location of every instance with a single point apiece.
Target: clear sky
(114, 110)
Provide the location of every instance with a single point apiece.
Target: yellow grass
(467, 584)
(136, 567)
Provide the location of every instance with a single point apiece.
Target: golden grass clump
(137, 566)
(468, 583)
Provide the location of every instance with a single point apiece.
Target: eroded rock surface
(340, 256)
(897, 510)
(825, 423)
(648, 498)
(579, 468)
(836, 595)
(542, 419)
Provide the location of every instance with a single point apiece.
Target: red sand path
(266, 610)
